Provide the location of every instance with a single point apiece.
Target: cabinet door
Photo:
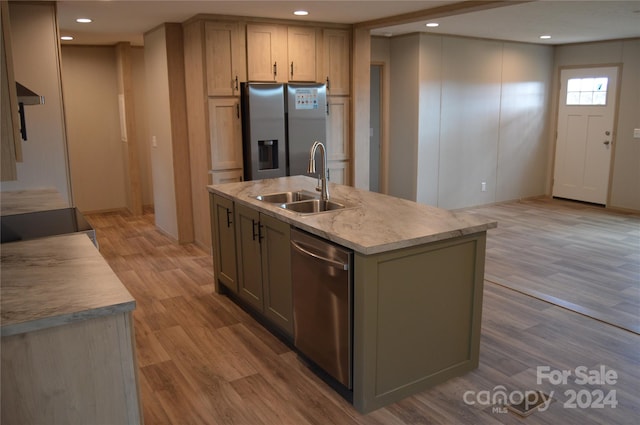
(224, 242)
(339, 172)
(338, 128)
(265, 57)
(225, 133)
(336, 60)
(248, 256)
(224, 58)
(301, 47)
(276, 273)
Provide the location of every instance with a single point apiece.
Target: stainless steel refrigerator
(280, 122)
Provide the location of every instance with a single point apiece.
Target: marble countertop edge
(64, 319)
(364, 228)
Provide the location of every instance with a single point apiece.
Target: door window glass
(587, 91)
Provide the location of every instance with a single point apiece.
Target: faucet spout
(323, 188)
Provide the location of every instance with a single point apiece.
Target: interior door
(586, 115)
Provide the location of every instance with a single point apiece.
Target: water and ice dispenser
(267, 154)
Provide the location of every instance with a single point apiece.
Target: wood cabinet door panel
(249, 256)
(276, 272)
(223, 233)
(338, 128)
(264, 57)
(225, 133)
(336, 60)
(301, 45)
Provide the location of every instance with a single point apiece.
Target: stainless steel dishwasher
(321, 274)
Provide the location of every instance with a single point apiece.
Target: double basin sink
(301, 201)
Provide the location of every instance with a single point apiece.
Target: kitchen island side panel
(81, 372)
(417, 318)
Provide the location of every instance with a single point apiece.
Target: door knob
(607, 133)
(606, 142)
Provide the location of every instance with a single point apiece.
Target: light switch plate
(636, 133)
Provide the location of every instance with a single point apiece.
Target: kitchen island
(417, 279)
(67, 335)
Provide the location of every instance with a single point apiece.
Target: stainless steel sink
(287, 197)
(312, 206)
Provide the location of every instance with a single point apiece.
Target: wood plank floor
(202, 360)
(583, 257)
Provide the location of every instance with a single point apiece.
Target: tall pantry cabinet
(223, 52)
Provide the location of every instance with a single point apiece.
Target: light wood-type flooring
(583, 257)
(202, 360)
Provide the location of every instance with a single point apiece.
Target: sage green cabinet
(264, 265)
(276, 272)
(248, 254)
(223, 235)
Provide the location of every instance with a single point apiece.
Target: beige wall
(464, 111)
(89, 77)
(37, 66)
(93, 123)
(625, 178)
(142, 128)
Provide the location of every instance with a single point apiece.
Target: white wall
(625, 180)
(36, 66)
(89, 77)
(464, 111)
(159, 125)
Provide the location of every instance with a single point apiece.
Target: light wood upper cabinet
(336, 61)
(225, 133)
(225, 58)
(266, 53)
(301, 49)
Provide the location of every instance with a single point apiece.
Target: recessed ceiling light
(545, 37)
(432, 24)
(66, 38)
(301, 13)
(83, 20)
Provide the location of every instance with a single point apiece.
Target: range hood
(28, 97)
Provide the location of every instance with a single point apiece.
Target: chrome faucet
(322, 187)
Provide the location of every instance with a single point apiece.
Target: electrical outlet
(636, 133)
(483, 185)
(154, 142)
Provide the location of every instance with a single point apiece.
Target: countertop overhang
(57, 280)
(376, 223)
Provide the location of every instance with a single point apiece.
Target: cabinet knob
(328, 85)
(236, 83)
(275, 69)
(292, 69)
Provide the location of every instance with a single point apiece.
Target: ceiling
(567, 21)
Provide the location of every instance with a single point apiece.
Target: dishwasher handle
(337, 264)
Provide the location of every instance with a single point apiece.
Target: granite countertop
(32, 200)
(56, 280)
(375, 223)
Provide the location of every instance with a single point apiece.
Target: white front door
(585, 133)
